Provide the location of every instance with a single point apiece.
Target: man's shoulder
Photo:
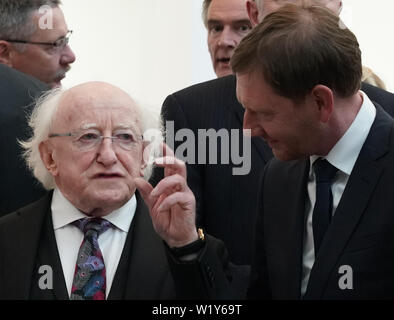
(382, 97)
(206, 94)
(11, 78)
(227, 83)
(39, 207)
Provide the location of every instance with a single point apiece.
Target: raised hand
(171, 203)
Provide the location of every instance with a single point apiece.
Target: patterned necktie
(89, 278)
(322, 211)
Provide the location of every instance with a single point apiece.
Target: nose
(227, 38)
(106, 154)
(67, 56)
(251, 122)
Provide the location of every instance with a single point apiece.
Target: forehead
(50, 24)
(250, 88)
(227, 10)
(100, 109)
(253, 91)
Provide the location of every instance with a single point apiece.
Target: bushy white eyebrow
(121, 126)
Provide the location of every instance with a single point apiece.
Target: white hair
(41, 121)
(259, 3)
(152, 129)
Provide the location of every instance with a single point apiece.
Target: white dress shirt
(343, 156)
(69, 237)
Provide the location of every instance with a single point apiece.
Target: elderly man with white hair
(91, 237)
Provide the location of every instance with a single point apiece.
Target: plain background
(152, 48)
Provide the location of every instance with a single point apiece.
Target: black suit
(17, 93)
(226, 204)
(27, 242)
(360, 235)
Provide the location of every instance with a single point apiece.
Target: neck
(345, 112)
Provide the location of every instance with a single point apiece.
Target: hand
(172, 204)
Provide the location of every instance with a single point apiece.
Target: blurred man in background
(34, 39)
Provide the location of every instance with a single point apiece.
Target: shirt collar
(64, 213)
(345, 152)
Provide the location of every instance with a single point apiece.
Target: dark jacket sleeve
(210, 276)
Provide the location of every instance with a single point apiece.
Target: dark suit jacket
(17, 93)
(361, 233)
(27, 241)
(226, 204)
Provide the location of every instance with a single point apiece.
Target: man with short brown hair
(324, 226)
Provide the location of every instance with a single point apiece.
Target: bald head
(258, 9)
(95, 96)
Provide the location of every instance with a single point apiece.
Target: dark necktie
(89, 278)
(322, 211)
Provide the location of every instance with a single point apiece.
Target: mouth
(107, 176)
(225, 61)
(57, 82)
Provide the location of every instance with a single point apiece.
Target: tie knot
(92, 226)
(324, 170)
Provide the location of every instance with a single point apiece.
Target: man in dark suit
(325, 218)
(17, 92)
(91, 236)
(325, 222)
(226, 203)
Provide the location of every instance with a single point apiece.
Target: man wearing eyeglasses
(92, 237)
(34, 39)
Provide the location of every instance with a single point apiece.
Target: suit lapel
(22, 254)
(288, 245)
(359, 189)
(48, 254)
(143, 262)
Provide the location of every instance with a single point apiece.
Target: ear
(5, 53)
(253, 12)
(340, 7)
(323, 99)
(46, 153)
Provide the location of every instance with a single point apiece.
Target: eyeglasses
(57, 45)
(91, 139)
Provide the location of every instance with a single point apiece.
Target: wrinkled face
(228, 23)
(95, 178)
(269, 6)
(290, 129)
(42, 61)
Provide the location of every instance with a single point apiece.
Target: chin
(112, 198)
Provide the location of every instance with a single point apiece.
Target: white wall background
(151, 48)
